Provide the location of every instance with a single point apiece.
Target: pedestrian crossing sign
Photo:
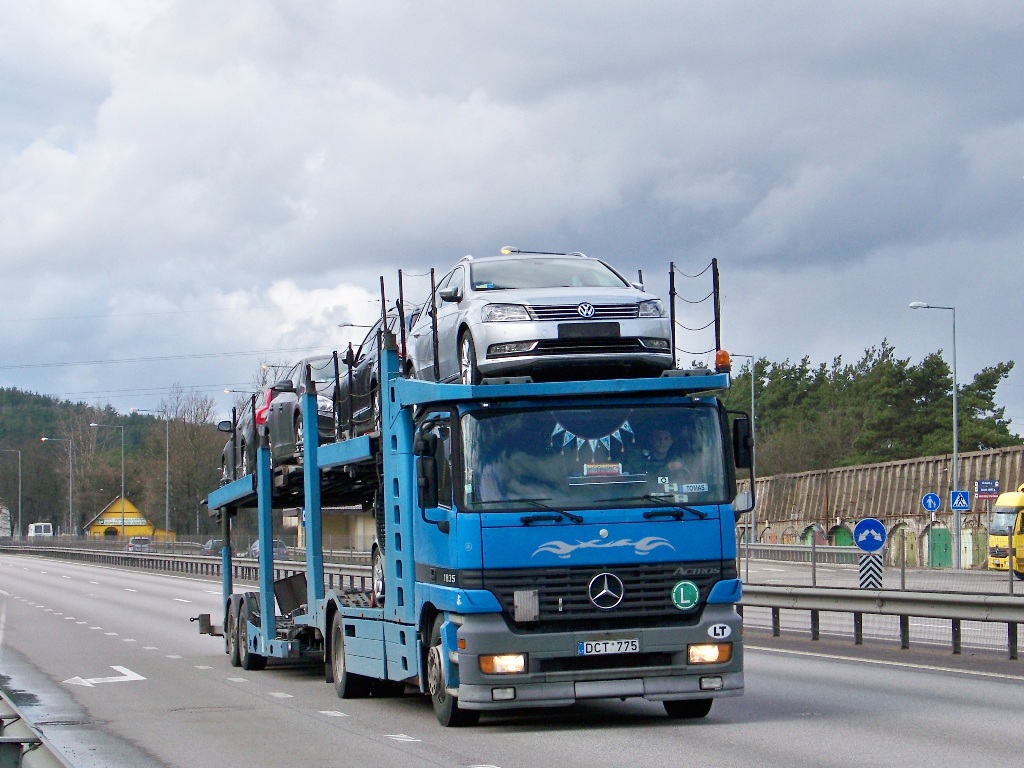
(960, 501)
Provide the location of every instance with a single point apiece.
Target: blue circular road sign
(930, 501)
(869, 534)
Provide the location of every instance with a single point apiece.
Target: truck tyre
(246, 658)
(376, 577)
(347, 685)
(1019, 575)
(446, 706)
(688, 709)
(231, 632)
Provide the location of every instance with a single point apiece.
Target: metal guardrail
(336, 575)
(800, 553)
(929, 605)
(21, 743)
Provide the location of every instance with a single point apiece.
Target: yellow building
(117, 520)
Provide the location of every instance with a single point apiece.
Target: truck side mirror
(224, 426)
(426, 481)
(742, 443)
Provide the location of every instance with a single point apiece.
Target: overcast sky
(190, 188)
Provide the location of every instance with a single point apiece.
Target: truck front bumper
(557, 675)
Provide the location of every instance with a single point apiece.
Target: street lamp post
(121, 427)
(71, 476)
(956, 432)
(167, 475)
(753, 428)
(15, 450)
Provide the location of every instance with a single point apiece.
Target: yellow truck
(1007, 520)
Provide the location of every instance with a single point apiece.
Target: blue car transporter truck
(538, 544)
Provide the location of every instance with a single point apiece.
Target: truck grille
(571, 312)
(998, 551)
(564, 592)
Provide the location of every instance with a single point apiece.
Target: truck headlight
(503, 664)
(500, 313)
(709, 653)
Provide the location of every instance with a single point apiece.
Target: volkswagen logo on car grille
(606, 591)
(586, 309)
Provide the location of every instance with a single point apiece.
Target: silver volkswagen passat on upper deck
(549, 316)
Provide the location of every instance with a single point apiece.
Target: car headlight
(652, 308)
(499, 313)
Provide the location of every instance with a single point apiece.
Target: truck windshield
(592, 458)
(1003, 519)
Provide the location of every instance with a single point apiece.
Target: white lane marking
(202, 666)
(279, 695)
(173, 656)
(881, 662)
(400, 737)
(237, 680)
(212, 591)
(129, 589)
(65, 577)
(5, 594)
(126, 676)
(182, 600)
(130, 640)
(332, 713)
(110, 634)
(58, 613)
(94, 582)
(150, 648)
(81, 622)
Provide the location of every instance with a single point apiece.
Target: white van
(40, 530)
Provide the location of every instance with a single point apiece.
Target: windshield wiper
(675, 510)
(557, 515)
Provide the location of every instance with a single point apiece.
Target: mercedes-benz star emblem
(606, 591)
(586, 309)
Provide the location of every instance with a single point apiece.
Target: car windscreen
(322, 369)
(592, 458)
(542, 273)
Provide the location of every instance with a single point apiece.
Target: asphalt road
(164, 695)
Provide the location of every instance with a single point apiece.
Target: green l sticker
(685, 595)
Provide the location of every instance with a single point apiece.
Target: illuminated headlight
(652, 308)
(511, 348)
(662, 344)
(709, 653)
(503, 664)
(500, 313)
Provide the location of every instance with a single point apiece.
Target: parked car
(547, 316)
(140, 544)
(355, 403)
(213, 547)
(280, 549)
(284, 412)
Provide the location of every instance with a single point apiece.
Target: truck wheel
(688, 709)
(246, 658)
(376, 577)
(347, 685)
(1019, 575)
(446, 706)
(468, 372)
(231, 632)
